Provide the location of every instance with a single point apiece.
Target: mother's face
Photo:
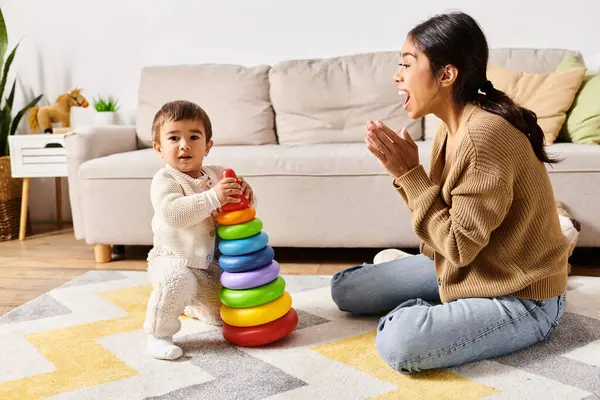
(416, 82)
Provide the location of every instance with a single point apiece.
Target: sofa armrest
(87, 143)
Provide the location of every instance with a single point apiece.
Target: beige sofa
(295, 131)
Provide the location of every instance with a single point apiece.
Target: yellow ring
(236, 217)
(257, 315)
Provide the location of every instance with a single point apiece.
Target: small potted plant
(105, 110)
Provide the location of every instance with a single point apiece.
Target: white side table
(38, 156)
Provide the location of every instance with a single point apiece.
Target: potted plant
(105, 110)
(10, 188)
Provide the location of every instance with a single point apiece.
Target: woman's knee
(402, 339)
(342, 289)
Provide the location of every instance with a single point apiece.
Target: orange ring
(236, 217)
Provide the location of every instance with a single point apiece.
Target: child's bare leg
(206, 305)
(174, 288)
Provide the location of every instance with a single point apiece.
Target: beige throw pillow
(548, 95)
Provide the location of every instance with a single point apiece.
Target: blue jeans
(417, 335)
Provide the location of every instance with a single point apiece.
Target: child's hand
(246, 189)
(226, 189)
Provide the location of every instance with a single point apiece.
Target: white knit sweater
(183, 224)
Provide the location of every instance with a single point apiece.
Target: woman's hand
(398, 154)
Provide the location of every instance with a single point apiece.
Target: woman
(493, 273)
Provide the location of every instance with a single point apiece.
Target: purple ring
(250, 279)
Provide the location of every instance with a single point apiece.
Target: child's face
(183, 146)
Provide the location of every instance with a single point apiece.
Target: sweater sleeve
(177, 209)
(426, 250)
(217, 170)
(480, 202)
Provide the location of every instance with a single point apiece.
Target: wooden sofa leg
(102, 253)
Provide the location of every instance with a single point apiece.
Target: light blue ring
(247, 245)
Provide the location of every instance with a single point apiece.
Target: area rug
(84, 340)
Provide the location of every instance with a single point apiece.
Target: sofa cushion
(236, 99)
(549, 95)
(583, 119)
(330, 100)
(533, 61)
(138, 164)
(576, 157)
(348, 159)
(267, 160)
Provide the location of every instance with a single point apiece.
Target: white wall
(101, 46)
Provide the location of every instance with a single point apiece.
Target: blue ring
(247, 262)
(243, 246)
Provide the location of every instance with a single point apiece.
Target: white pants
(181, 290)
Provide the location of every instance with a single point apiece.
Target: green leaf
(4, 129)
(102, 105)
(11, 96)
(3, 39)
(20, 114)
(9, 61)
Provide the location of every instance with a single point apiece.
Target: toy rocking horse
(44, 117)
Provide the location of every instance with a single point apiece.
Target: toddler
(186, 195)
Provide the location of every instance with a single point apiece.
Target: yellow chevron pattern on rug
(360, 352)
(88, 343)
(79, 360)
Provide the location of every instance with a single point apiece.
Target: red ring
(259, 335)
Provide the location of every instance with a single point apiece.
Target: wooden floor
(49, 258)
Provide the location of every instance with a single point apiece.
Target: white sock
(389, 255)
(163, 348)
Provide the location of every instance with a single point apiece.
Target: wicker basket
(10, 202)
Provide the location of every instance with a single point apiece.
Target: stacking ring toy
(253, 297)
(244, 203)
(257, 315)
(247, 262)
(244, 246)
(236, 217)
(261, 334)
(241, 231)
(250, 279)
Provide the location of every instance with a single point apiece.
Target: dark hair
(457, 39)
(180, 110)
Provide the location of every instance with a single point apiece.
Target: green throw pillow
(583, 119)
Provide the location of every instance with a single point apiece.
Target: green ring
(244, 298)
(241, 231)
